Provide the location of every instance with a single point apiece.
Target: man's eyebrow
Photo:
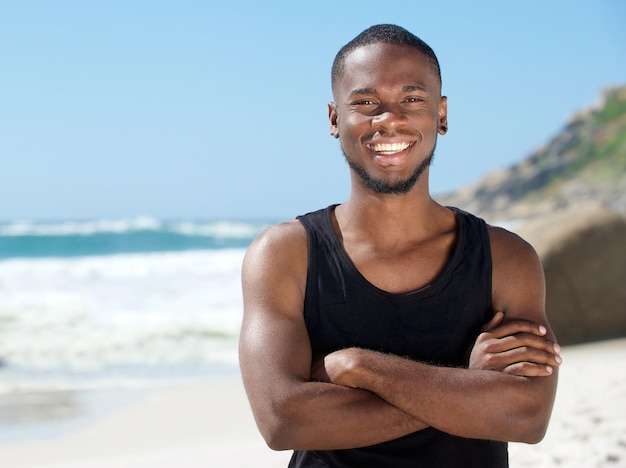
(410, 88)
(362, 91)
(370, 91)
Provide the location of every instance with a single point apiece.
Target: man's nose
(389, 118)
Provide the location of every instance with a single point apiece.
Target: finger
(513, 327)
(529, 369)
(537, 342)
(500, 361)
(519, 340)
(538, 356)
(494, 322)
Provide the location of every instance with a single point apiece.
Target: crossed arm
(356, 397)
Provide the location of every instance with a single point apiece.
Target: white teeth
(389, 148)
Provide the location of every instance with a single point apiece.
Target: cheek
(353, 125)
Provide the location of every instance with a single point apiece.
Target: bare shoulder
(282, 242)
(508, 246)
(518, 282)
(275, 269)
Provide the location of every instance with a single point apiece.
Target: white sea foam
(131, 310)
(221, 229)
(81, 228)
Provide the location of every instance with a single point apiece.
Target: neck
(390, 218)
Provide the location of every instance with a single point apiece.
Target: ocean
(118, 303)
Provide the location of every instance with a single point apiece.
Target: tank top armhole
(482, 229)
(311, 272)
(486, 242)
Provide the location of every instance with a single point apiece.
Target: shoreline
(209, 423)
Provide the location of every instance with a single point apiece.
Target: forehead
(382, 64)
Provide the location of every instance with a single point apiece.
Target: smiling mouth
(387, 149)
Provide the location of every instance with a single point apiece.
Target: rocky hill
(586, 160)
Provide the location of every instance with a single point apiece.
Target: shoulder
(279, 255)
(287, 241)
(507, 246)
(288, 237)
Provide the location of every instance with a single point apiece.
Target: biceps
(519, 289)
(274, 348)
(274, 345)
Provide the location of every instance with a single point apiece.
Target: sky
(218, 110)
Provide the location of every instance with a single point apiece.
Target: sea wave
(123, 315)
(108, 237)
(220, 228)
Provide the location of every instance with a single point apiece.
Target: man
(361, 342)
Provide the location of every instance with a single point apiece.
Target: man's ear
(332, 119)
(443, 115)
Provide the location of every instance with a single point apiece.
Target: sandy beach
(204, 424)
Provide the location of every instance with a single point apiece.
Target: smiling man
(390, 330)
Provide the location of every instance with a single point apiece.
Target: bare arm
(474, 403)
(292, 411)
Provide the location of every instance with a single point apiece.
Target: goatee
(397, 187)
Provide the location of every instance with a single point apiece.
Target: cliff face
(586, 160)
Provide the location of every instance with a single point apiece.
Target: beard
(395, 187)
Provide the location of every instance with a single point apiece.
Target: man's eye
(414, 99)
(364, 102)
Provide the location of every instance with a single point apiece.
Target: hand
(334, 367)
(517, 347)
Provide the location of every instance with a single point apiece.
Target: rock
(583, 252)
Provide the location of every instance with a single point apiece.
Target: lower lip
(394, 159)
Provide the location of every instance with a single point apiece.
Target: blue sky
(205, 110)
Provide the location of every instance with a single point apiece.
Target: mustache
(388, 134)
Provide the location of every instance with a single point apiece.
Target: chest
(425, 300)
(402, 269)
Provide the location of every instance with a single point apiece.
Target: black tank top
(436, 324)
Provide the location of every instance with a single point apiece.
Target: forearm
(324, 416)
(468, 403)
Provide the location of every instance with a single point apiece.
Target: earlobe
(332, 118)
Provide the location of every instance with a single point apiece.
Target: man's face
(387, 111)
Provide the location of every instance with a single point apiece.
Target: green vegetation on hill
(614, 107)
(604, 155)
(595, 148)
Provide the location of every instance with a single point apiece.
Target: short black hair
(387, 33)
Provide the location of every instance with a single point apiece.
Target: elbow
(278, 427)
(275, 431)
(281, 416)
(531, 427)
(277, 437)
(536, 439)
(527, 430)
(276, 442)
(532, 416)
(532, 435)
(535, 429)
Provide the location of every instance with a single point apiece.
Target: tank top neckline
(430, 288)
